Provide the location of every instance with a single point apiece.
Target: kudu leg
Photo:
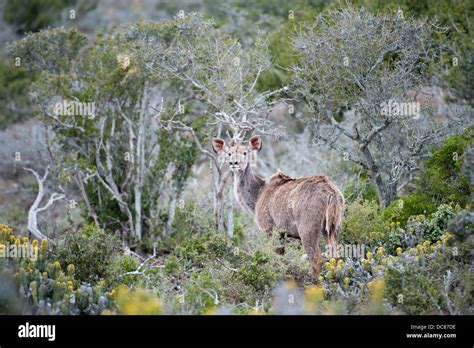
(311, 246)
(333, 247)
(281, 249)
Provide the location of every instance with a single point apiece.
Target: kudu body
(303, 208)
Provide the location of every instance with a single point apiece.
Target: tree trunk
(387, 192)
(219, 211)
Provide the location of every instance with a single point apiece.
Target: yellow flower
(45, 274)
(419, 249)
(369, 256)
(365, 262)
(329, 275)
(376, 290)
(399, 250)
(56, 265)
(346, 281)
(25, 240)
(44, 243)
(314, 293)
(123, 61)
(321, 278)
(256, 311)
(445, 237)
(71, 268)
(35, 242)
(17, 241)
(380, 251)
(332, 261)
(327, 264)
(138, 301)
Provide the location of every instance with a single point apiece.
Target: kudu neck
(247, 188)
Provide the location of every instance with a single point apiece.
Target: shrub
(90, 250)
(361, 189)
(43, 285)
(136, 302)
(415, 203)
(422, 228)
(201, 248)
(442, 177)
(362, 223)
(257, 272)
(429, 279)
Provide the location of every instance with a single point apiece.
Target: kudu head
(237, 156)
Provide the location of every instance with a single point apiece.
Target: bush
(205, 247)
(14, 83)
(361, 189)
(429, 279)
(442, 177)
(415, 203)
(432, 228)
(42, 285)
(90, 250)
(257, 272)
(362, 223)
(34, 15)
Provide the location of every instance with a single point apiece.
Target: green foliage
(45, 285)
(206, 246)
(90, 250)
(257, 272)
(429, 283)
(14, 103)
(279, 44)
(433, 227)
(109, 75)
(57, 48)
(33, 15)
(415, 203)
(362, 223)
(442, 177)
(361, 189)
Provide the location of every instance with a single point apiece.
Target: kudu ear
(218, 144)
(255, 143)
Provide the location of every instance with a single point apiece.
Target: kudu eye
(245, 153)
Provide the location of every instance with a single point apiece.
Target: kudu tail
(334, 212)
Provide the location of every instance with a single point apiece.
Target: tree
(220, 78)
(160, 91)
(97, 102)
(360, 75)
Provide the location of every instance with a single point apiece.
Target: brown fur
(303, 208)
